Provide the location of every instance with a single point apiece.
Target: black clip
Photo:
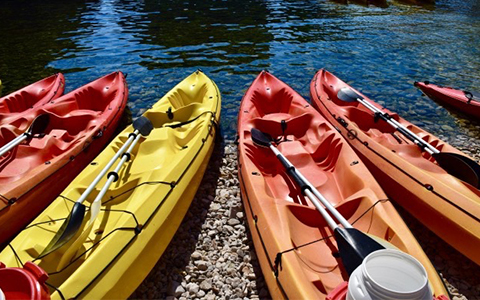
(169, 113)
(278, 263)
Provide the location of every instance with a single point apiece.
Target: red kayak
(465, 101)
(78, 126)
(30, 97)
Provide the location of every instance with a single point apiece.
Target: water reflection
(380, 50)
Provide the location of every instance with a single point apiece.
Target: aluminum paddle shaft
(404, 130)
(312, 193)
(112, 177)
(107, 167)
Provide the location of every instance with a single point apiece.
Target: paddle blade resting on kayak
(459, 166)
(295, 246)
(413, 178)
(109, 256)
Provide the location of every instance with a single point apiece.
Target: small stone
(233, 222)
(201, 265)
(196, 255)
(193, 288)
(205, 285)
(200, 294)
(179, 291)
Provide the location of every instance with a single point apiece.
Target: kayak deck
(141, 211)
(295, 246)
(444, 204)
(31, 96)
(465, 101)
(33, 173)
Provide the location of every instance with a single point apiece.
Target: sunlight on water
(379, 50)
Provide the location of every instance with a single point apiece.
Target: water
(378, 50)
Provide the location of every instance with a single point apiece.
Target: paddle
(38, 126)
(69, 228)
(353, 245)
(455, 164)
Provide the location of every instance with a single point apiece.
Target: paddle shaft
(312, 193)
(402, 129)
(13, 143)
(111, 178)
(107, 167)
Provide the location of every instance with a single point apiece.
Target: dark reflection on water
(380, 50)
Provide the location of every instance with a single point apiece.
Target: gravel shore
(212, 256)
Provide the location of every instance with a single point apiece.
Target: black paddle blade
(348, 95)
(261, 139)
(39, 124)
(353, 246)
(459, 166)
(143, 125)
(68, 229)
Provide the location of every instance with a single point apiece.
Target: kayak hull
(450, 97)
(293, 243)
(446, 205)
(33, 174)
(141, 211)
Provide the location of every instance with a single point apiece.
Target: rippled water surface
(379, 50)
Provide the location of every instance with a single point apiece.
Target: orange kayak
(293, 243)
(33, 173)
(444, 204)
(30, 97)
(465, 101)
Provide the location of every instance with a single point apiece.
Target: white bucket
(2, 295)
(389, 274)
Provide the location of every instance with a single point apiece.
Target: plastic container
(389, 274)
(23, 283)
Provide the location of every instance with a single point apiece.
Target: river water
(378, 50)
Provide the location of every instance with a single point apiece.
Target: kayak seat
(365, 120)
(327, 152)
(19, 102)
(177, 116)
(73, 124)
(272, 100)
(184, 96)
(294, 125)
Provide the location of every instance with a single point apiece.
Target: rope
(278, 257)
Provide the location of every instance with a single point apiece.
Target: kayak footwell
(295, 247)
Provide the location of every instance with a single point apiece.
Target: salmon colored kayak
(31, 96)
(465, 101)
(33, 173)
(446, 205)
(294, 245)
(141, 210)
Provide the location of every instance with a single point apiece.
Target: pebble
(212, 256)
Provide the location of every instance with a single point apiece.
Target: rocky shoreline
(212, 256)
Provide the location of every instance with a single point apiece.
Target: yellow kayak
(140, 212)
